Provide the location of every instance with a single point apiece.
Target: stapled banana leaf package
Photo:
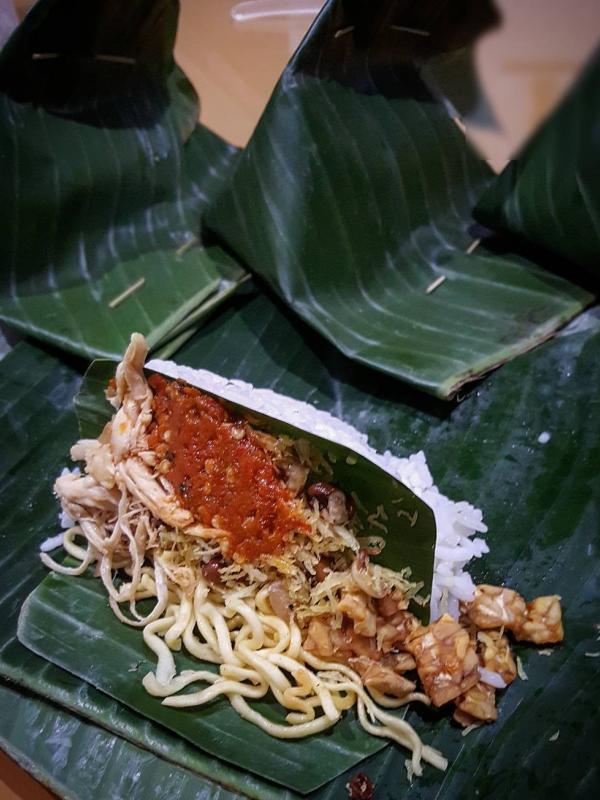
(105, 173)
(354, 198)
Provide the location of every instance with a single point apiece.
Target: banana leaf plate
(540, 501)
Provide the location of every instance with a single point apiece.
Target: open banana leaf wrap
(549, 194)
(354, 198)
(540, 502)
(105, 173)
(64, 612)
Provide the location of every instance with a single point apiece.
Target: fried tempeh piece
(543, 621)
(495, 654)
(395, 630)
(357, 607)
(446, 661)
(479, 702)
(383, 679)
(495, 607)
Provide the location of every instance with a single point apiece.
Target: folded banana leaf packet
(354, 198)
(105, 176)
(548, 196)
(540, 539)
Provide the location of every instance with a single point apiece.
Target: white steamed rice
(456, 523)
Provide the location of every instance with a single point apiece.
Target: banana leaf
(549, 194)
(105, 174)
(354, 197)
(541, 502)
(62, 614)
(72, 757)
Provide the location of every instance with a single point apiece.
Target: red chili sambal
(219, 470)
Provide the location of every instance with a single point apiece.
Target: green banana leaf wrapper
(540, 501)
(353, 200)
(62, 614)
(105, 174)
(548, 196)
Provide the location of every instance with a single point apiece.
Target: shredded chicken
(479, 702)
(495, 607)
(145, 487)
(543, 621)
(98, 460)
(80, 492)
(132, 397)
(446, 661)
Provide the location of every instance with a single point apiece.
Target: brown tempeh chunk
(495, 655)
(463, 718)
(446, 661)
(479, 702)
(543, 621)
(385, 680)
(495, 607)
(399, 662)
(347, 644)
(381, 677)
(396, 630)
(391, 603)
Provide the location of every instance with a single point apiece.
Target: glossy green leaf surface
(549, 194)
(73, 758)
(354, 195)
(104, 174)
(541, 503)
